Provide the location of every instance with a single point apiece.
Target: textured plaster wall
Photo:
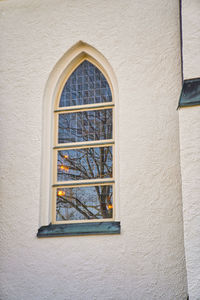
(146, 261)
(190, 168)
(191, 38)
(190, 148)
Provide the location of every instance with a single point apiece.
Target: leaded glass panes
(84, 164)
(86, 85)
(84, 148)
(85, 126)
(84, 203)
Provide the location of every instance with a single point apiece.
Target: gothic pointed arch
(80, 142)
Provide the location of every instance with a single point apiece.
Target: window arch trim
(62, 70)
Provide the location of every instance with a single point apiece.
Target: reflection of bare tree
(86, 163)
(78, 205)
(86, 85)
(83, 164)
(85, 126)
(95, 204)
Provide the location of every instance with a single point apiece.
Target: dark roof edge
(190, 93)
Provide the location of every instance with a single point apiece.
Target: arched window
(83, 184)
(78, 150)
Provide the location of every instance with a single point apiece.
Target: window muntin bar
(72, 183)
(84, 144)
(83, 107)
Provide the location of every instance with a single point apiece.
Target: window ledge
(53, 230)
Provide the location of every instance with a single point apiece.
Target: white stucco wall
(190, 169)
(191, 38)
(190, 148)
(140, 39)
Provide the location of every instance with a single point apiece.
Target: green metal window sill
(93, 228)
(190, 94)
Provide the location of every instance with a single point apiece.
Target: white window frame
(58, 77)
(98, 143)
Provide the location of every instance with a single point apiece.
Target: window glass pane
(85, 126)
(83, 164)
(86, 85)
(83, 203)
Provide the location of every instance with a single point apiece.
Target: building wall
(189, 148)
(191, 41)
(190, 167)
(140, 40)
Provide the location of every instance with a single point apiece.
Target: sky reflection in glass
(83, 164)
(83, 203)
(85, 126)
(86, 85)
